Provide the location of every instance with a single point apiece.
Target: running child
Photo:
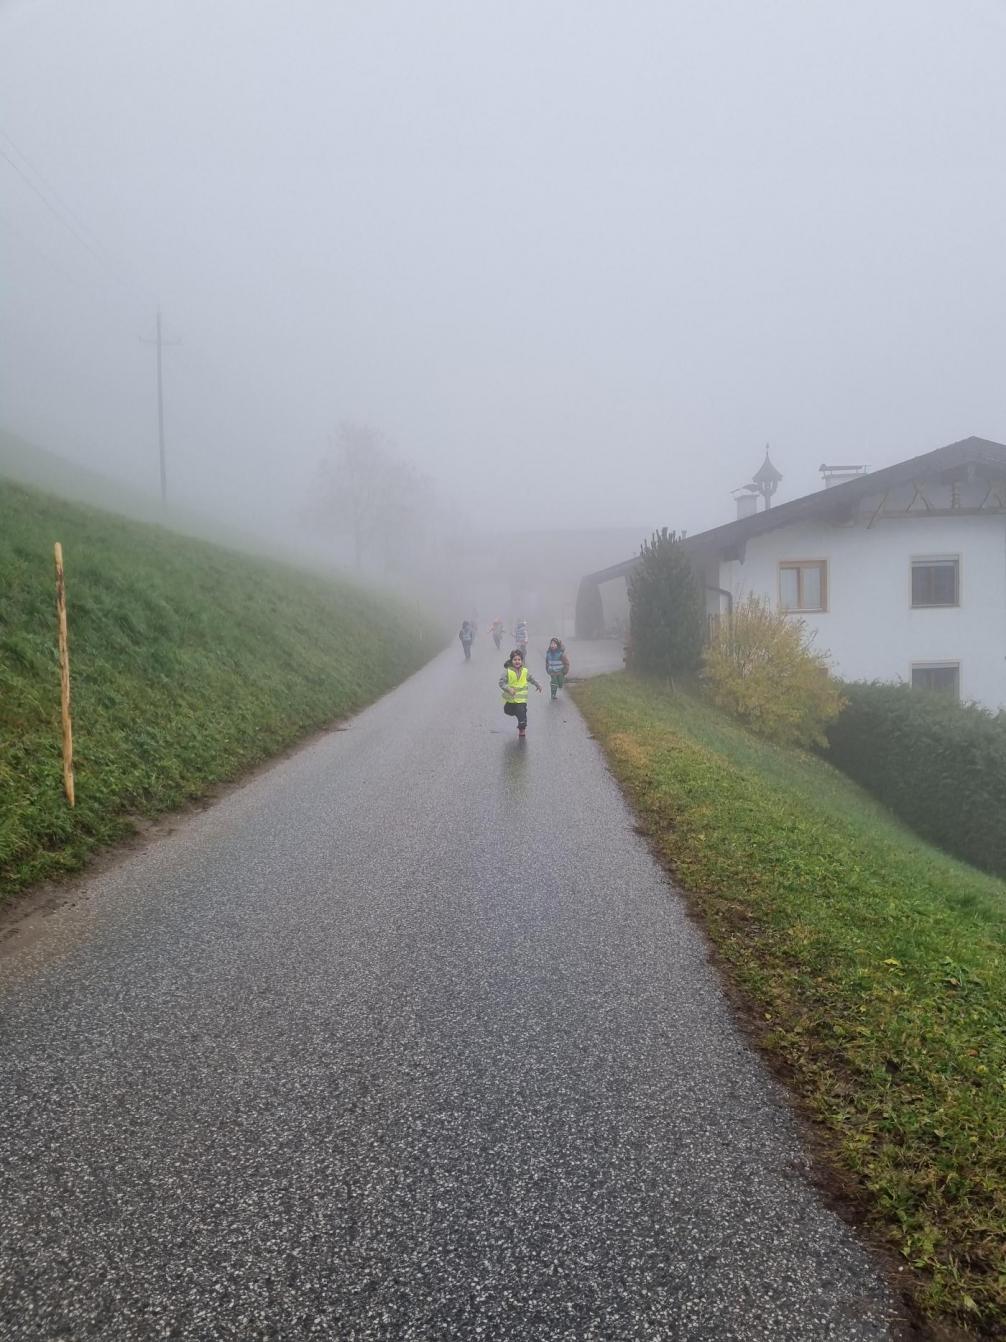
(466, 634)
(556, 665)
(514, 682)
(520, 636)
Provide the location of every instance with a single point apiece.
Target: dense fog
(567, 266)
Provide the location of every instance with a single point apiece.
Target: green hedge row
(938, 764)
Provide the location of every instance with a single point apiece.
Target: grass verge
(188, 663)
(872, 962)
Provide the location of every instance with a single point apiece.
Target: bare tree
(354, 486)
(409, 516)
(386, 508)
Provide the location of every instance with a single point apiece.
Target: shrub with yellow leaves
(761, 668)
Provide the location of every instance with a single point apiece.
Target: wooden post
(64, 676)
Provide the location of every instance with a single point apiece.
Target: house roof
(951, 461)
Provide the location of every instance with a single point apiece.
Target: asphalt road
(408, 1037)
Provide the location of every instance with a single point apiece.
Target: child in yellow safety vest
(514, 682)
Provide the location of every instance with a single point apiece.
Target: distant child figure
(520, 636)
(466, 634)
(514, 682)
(556, 664)
(496, 629)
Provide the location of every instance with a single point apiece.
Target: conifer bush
(939, 765)
(666, 609)
(760, 667)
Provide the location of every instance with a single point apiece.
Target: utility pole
(160, 414)
(160, 342)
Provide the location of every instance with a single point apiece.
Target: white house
(900, 572)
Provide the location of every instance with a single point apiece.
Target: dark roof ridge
(960, 453)
(964, 451)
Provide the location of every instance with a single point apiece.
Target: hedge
(939, 765)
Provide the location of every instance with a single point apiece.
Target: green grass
(872, 963)
(188, 663)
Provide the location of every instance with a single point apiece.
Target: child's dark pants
(518, 711)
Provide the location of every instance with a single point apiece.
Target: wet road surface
(408, 1037)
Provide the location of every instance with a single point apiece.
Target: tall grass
(188, 663)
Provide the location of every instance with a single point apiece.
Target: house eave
(969, 459)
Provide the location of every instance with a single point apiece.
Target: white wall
(870, 628)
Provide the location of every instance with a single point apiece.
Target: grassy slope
(873, 962)
(25, 463)
(188, 664)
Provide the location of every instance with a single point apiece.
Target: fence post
(64, 677)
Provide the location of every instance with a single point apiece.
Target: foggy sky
(579, 260)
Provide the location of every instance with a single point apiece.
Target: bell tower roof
(767, 473)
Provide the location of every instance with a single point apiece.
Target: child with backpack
(556, 665)
(467, 637)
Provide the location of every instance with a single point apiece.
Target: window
(803, 585)
(936, 582)
(942, 676)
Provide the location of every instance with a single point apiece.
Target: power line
(62, 212)
(48, 185)
(30, 243)
(51, 199)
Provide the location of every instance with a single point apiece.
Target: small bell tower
(766, 479)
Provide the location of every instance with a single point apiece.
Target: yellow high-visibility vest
(518, 684)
